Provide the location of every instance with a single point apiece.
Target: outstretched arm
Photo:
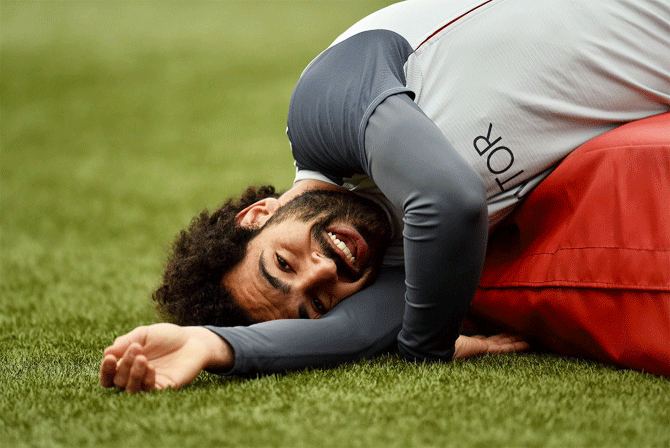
(168, 356)
(364, 325)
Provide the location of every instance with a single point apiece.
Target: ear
(257, 213)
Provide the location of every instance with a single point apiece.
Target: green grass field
(119, 121)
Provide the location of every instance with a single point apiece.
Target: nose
(319, 271)
(321, 274)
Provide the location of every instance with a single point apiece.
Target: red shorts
(583, 266)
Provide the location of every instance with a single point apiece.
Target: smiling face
(312, 253)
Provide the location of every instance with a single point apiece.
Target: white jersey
(516, 85)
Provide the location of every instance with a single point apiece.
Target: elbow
(454, 204)
(471, 196)
(470, 214)
(472, 205)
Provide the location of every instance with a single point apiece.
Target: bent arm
(364, 325)
(445, 223)
(445, 242)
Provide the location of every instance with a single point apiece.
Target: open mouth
(349, 244)
(347, 250)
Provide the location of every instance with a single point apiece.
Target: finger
(504, 335)
(500, 338)
(136, 375)
(107, 371)
(505, 338)
(521, 346)
(119, 347)
(121, 344)
(149, 382)
(125, 364)
(514, 346)
(163, 382)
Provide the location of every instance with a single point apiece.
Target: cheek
(269, 312)
(343, 290)
(260, 308)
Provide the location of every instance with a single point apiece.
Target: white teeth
(343, 247)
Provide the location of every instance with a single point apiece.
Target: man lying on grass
(414, 134)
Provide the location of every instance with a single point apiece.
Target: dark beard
(327, 207)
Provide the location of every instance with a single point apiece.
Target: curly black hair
(212, 245)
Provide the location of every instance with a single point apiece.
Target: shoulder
(335, 96)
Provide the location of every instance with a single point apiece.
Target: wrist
(219, 354)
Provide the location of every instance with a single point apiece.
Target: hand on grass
(161, 356)
(468, 346)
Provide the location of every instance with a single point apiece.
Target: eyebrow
(271, 279)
